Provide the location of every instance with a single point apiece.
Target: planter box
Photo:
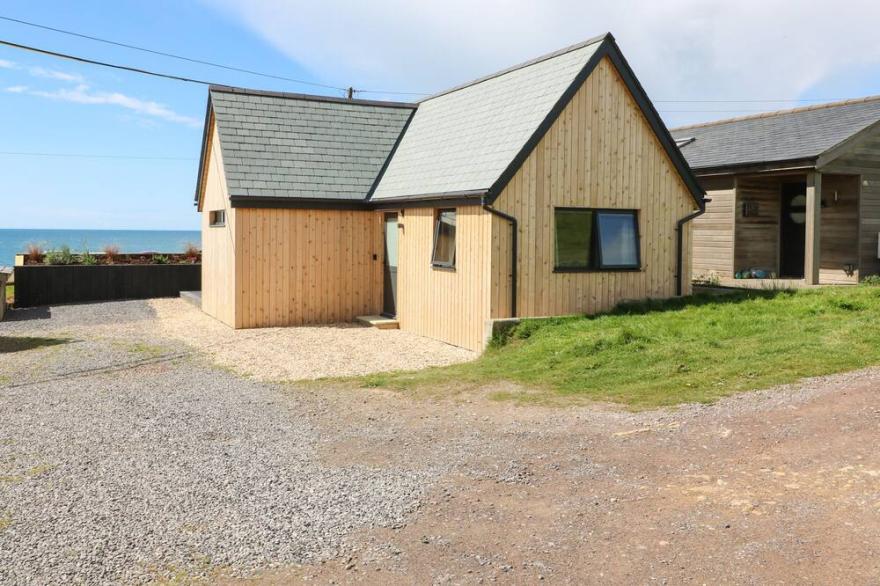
(55, 284)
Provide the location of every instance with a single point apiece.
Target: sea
(15, 241)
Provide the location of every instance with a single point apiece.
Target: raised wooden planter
(55, 284)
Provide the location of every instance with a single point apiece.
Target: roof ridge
(308, 97)
(773, 113)
(524, 64)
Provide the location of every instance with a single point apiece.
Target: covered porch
(788, 230)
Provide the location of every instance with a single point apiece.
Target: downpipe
(679, 235)
(513, 248)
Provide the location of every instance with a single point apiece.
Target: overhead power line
(102, 63)
(93, 156)
(198, 61)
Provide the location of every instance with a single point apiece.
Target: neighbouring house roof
(465, 143)
(775, 137)
(288, 145)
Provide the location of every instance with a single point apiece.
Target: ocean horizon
(15, 240)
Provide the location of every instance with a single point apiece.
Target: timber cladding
(448, 304)
(297, 266)
(600, 153)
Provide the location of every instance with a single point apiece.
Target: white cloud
(4, 64)
(82, 94)
(58, 75)
(16, 89)
(680, 49)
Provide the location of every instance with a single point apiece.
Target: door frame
(387, 277)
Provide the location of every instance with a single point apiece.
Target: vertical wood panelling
(218, 243)
(600, 153)
(839, 245)
(308, 266)
(449, 305)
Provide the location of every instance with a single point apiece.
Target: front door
(792, 228)
(389, 306)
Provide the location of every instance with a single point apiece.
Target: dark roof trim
(596, 39)
(204, 155)
(390, 155)
(757, 167)
(610, 49)
(308, 97)
(255, 201)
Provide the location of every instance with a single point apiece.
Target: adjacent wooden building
(794, 194)
(549, 188)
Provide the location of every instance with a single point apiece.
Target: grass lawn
(653, 354)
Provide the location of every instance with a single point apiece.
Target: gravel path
(173, 467)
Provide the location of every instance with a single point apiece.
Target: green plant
(710, 280)
(87, 258)
(871, 281)
(61, 256)
(161, 259)
(111, 252)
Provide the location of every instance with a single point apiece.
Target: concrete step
(379, 321)
(194, 297)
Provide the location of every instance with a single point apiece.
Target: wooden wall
(757, 238)
(863, 159)
(713, 240)
(601, 152)
(218, 243)
(449, 305)
(298, 267)
(839, 228)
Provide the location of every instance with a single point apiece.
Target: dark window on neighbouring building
(590, 239)
(217, 218)
(750, 209)
(444, 239)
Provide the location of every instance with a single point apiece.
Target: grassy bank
(664, 353)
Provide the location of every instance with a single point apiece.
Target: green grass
(652, 354)
(10, 293)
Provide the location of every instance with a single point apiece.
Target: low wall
(3, 282)
(56, 284)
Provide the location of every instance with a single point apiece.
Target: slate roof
(463, 139)
(289, 145)
(801, 133)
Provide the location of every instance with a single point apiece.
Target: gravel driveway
(126, 456)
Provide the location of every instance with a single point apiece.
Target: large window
(589, 240)
(444, 239)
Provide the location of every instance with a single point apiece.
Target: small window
(444, 239)
(589, 240)
(217, 218)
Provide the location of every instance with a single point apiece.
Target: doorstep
(379, 321)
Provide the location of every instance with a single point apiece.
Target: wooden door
(792, 227)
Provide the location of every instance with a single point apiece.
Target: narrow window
(590, 240)
(618, 240)
(217, 218)
(444, 239)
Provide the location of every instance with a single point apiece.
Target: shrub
(111, 253)
(871, 281)
(87, 258)
(62, 256)
(191, 251)
(161, 259)
(34, 252)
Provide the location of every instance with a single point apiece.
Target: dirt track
(775, 487)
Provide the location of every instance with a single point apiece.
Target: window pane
(574, 237)
(444, 243)
(618, 239)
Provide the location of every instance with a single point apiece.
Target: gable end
(609, 49)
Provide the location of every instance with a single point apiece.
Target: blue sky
(681, 49)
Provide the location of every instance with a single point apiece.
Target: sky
(88, 147)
